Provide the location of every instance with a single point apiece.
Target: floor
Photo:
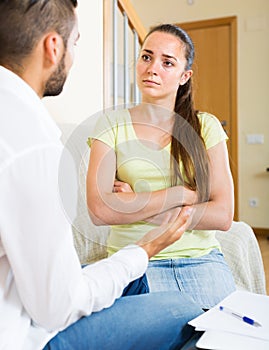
(264, 246)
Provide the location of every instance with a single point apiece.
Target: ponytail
(188, 146)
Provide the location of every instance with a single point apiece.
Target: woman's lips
(150, 82)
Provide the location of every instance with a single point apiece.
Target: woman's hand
(120, 186)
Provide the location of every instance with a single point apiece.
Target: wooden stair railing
(126, 6)
(118, 87)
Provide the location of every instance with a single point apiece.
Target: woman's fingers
(120, 186)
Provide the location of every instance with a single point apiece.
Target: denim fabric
(206, 279)
(139, 286)
(150, 321)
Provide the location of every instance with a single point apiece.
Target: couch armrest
(242, 253)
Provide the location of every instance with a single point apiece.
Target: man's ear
(53, 48)
(185, 77)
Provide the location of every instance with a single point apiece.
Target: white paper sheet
(217, 340)
(217, 323)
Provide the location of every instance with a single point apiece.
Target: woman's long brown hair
(187, 143)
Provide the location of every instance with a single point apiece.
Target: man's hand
(163, 236)
(165, 217)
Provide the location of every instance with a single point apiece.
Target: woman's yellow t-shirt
(147, 169)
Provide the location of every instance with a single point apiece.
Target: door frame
(231, 22)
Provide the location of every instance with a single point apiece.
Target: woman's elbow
(95, 215)
(226, 225)
(98, 213)
(226, 220)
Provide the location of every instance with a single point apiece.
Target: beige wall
(253, 85)
(83, 93)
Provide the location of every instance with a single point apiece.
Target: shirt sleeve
(212, 130)
(106, 130)
(37, 239)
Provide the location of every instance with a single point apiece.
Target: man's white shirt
(42, 286)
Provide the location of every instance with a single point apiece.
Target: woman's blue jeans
(207, 279)
(154, 321)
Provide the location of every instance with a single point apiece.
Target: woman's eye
(146, 57)
(168, 63)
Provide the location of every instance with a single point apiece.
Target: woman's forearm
(213, 215)
(127, 207)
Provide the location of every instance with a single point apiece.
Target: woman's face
(161, 68)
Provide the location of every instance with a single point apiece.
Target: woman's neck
(152, 113)
(164, 103)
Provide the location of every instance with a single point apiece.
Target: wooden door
(215, 80)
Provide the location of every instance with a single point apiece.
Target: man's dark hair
(23, 22)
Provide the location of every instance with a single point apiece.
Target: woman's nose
(151, 72)
(152, 68)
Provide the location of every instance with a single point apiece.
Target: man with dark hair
(46, 299)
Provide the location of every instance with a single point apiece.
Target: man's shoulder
(24, 125)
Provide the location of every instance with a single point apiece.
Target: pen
(239, 316)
